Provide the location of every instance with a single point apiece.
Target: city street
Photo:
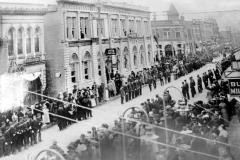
(112, 110)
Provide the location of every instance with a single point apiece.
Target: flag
(219, 66)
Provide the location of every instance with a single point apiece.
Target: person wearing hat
(125, 88)
(122, 94)
(192, 86)
(199, 80)
(133, 89)
(150, 81)
(2, 143)
(55, 147)
(140, 86)
(129, 90)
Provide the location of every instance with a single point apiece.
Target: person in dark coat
(200, 88)
(210, 76)
(59, 119)
(129, 91)
(205, 80)
(125, 88)
(150, 83)
(133, 89)
(192, 87)
(187, 89)
(184, 89)
(140, 86)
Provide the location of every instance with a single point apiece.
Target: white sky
(183, 6)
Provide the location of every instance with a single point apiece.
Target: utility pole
(103, 74)
(200, 29)
(155, 20)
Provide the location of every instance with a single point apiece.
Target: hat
(54, 141)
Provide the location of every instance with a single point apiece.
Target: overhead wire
(133, 120)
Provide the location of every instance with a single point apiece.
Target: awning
(230, 74)
(31, 77)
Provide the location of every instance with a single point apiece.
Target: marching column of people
(19, 131)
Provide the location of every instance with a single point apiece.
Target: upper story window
(84, 27)
(166, 33)
(178, 33)
(123, 27)
(139, 28)
(131, 26)
(20, 41)
(28, 40)
(37, 42)
(114, 27)
(100, 27)
(146, 27)
(11, 42)
(71, 28)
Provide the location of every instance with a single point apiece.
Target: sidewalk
(234, 136)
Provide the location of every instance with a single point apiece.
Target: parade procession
(119, 80)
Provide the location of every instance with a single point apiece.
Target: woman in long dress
(46, 118)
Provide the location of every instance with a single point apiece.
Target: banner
(234, 87)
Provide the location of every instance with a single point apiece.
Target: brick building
(175, 35)
(71, 38)
(22, 47)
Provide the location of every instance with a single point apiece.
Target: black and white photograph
(119, 80)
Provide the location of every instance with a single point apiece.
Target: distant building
(72, 42)
(175, 35)
(226, 37)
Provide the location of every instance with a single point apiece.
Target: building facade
(22, 47)
(73, 45)
(174, 35)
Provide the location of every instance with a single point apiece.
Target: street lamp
(47, 150)
(165, 114)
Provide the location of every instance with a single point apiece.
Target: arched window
(142, 55)
(87, 65)
(74, 67)
(11, 42)
(126, 58)
(20, 41)
(37, 42)
(99, 64)
(135, 57)
(28, 40)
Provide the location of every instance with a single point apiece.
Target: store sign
(33, 60)
(111, 51)
(235, 65)
(234, 87)
(114, 65)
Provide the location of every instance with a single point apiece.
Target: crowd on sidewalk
(90, 97)
(197, 134)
